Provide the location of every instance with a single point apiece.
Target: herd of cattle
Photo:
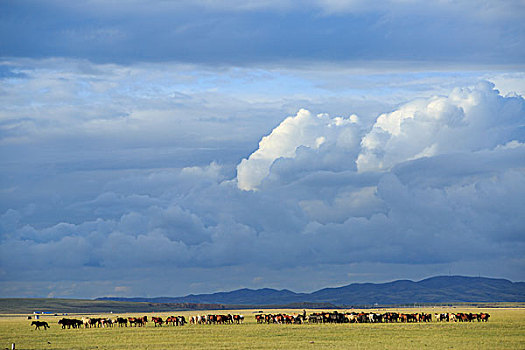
(317, 317)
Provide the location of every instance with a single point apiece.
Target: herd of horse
(173, 320)
(216, 319)
(369, 317)
(316, 317)
(97, 322)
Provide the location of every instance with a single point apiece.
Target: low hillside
(59, 306)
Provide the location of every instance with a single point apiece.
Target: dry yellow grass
(505, 330)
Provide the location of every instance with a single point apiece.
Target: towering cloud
(303, 130)
(466, 120)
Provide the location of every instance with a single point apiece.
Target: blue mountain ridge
(439, 289)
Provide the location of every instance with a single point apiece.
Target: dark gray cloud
(266, 31)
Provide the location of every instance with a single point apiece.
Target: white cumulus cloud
(469, 119)
(302, 130)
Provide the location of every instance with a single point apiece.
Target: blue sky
(202, 146)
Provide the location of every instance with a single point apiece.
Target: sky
(162, 148)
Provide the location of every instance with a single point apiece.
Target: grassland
(505, 330)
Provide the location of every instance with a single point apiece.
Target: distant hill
(441, 289)
(59, 306)
(55, 306)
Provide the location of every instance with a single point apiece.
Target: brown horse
(157, 321)
(173, 320)
(137, 321)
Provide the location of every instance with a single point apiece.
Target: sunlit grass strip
(505, 330)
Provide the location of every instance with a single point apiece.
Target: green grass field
(505, 330)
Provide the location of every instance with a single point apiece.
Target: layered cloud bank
(435, 182)
(241, 32)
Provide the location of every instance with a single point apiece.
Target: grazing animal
(299, 319)
(85, 322)
(39, 324)
(211, 319)
(137, 321)
(157, 321)
(95, 322)
(132, 321)
(121, 321)
(172, 320)
(176, 320)
(238, 318)
(106, 322)
(182, 320)
(483, 317)
(70, 322)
